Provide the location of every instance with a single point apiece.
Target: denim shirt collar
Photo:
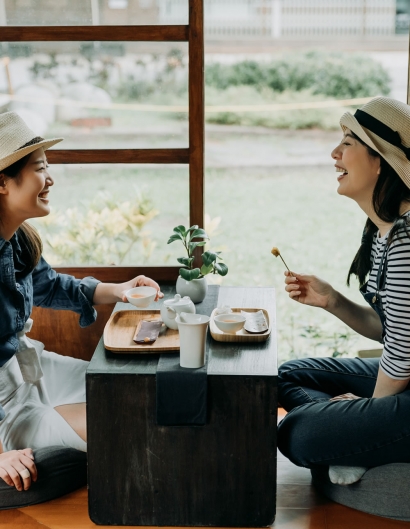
(19, 264)
(13, 241)
(3, 242)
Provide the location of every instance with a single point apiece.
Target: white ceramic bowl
(141, 296)
(230, 323)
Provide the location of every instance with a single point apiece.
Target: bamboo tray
(120, 330)
(242, 335)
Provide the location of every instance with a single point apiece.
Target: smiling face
(358, 170)
(26, 195)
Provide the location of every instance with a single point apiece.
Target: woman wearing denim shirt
(42, 394)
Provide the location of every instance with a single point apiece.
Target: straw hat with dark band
(384, 125)
(17, 140)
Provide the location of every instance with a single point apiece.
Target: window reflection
(86, 12)
(99, 94)
(114, 214)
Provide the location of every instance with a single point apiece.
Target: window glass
(278, 78)
(114, 214)
(99, 94)
(87, 12)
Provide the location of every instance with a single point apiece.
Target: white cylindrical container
(192, 335)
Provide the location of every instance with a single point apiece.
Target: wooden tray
(120, 330)
(242, 335)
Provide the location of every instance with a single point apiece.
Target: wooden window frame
(193, 33)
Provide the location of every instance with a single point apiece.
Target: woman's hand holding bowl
(141, 281)
(309, 290)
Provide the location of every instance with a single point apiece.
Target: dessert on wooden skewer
(275, 251)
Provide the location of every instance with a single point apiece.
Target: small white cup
(230, 323)
(145, 296)
(192, 335)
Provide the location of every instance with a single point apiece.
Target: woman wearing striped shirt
(351, 414)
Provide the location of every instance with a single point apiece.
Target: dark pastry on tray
(147, 331)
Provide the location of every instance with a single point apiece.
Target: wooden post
(196, 114)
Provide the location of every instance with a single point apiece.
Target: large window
(120, 95)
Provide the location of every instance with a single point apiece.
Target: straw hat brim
(20, 153)
(392, 154)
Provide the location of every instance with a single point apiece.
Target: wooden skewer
(275, 251)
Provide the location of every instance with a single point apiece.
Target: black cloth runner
(182, 392)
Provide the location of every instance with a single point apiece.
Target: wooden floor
(299, 506)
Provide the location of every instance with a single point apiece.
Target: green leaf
(192, 228)
(199, 233)
(173, 238)
(209, 257)
(206, 269)
(193, 245)
(189, 275)
(186, 261)
(180, 229)
(221, 269)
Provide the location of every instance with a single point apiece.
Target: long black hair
(388, 194)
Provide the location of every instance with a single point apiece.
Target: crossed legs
(365, 432)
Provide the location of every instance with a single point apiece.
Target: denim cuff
(88, 312)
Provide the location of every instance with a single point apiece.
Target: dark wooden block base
(220, 474)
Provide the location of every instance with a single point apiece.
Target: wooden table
(220, 474)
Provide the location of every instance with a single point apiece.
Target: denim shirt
(43, 287)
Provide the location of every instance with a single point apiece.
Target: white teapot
(171, 307)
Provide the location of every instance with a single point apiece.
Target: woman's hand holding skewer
(309, 290)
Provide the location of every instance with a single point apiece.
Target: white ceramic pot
(195, 289)
(172, 307)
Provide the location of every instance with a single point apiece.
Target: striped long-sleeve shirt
(395, 360)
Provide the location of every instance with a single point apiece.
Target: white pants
(32, 384)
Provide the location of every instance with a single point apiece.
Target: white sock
(340, 475)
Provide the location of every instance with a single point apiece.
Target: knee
(286, 381)
(288, 366)
(296, 436)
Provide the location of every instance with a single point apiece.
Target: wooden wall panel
(60, 331)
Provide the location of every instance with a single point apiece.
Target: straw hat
(14, 134)
(384, 125)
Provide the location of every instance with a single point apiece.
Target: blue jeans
(364, 432)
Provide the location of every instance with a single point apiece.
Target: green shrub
(103, 231)
(334, 75)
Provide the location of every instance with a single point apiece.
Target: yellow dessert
(275, 251)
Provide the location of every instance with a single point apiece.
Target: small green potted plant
(191, 281)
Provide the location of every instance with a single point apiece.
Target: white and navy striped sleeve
(395, 360)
